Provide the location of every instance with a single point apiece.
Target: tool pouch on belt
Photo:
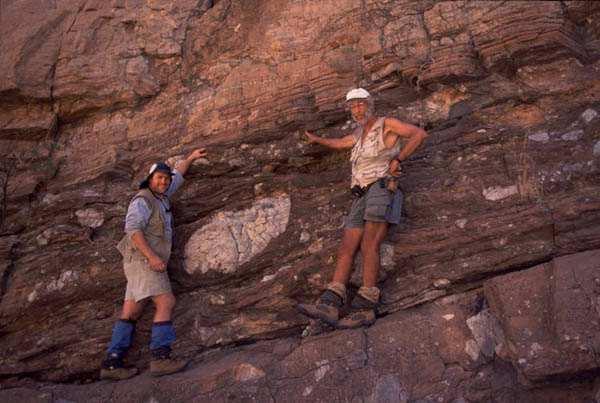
(358, 191)
(390, 183)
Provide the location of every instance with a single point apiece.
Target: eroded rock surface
(92, 92)
(550, 314)
(381, 363)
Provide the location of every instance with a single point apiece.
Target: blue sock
(122, 336)
(163, 335)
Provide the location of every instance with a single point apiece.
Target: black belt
(359, 192)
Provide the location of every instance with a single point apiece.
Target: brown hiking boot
(362, 313)
(326, 308)
(112, 368)
(357, 319)
(117, 374)
(166, 366)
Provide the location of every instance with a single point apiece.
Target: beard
(362, 121)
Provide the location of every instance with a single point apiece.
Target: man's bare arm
(336, 144)
(394, 129)
(139, 241)
(183, 165)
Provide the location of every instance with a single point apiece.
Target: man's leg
(132, 310)
(163, 335)
(365, 302)
(122, 337)
(350, 243)
(124, 329)
(371, 241)
(164, 304)
(329, 303)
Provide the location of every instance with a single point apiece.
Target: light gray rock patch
(304, 237)
(541, 137)
(496, 193)
(64, 279)
(596, 149)
(321, 372)
(589, 115)
(389, 389)
(573, 135)
(577, 167)
(231, 239)
(461, 223)
(486, 331)
(472, 349)
(90, 217)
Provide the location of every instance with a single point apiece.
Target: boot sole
(356, 325)
(365, 324)
(329, 321)
(116, 378)
(163, 373)
(158, 374)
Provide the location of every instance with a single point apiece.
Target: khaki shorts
(143, 282)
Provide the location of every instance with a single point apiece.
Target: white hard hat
(357, 93)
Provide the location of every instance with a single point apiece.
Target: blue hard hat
(157, 167)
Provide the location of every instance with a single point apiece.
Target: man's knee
(346, 250)
(133, 315)
(132, 310)
(370, 244)
(374, 234)
(165, 301)
(350, 242)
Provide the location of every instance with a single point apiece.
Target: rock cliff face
(491, 285)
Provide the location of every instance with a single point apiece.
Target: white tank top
(370, 158)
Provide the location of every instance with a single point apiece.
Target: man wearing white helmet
(376, 156)
(146, 249)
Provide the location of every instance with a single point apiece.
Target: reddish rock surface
(550, 315)
(496, 261)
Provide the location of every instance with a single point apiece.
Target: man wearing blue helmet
(146, 249)
(376, 156)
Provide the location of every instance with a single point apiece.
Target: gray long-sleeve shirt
(139, 212)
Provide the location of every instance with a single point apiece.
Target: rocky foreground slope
(491, 285)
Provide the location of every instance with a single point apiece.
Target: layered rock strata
(93, 92)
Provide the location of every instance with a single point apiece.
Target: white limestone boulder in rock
(232, 238)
